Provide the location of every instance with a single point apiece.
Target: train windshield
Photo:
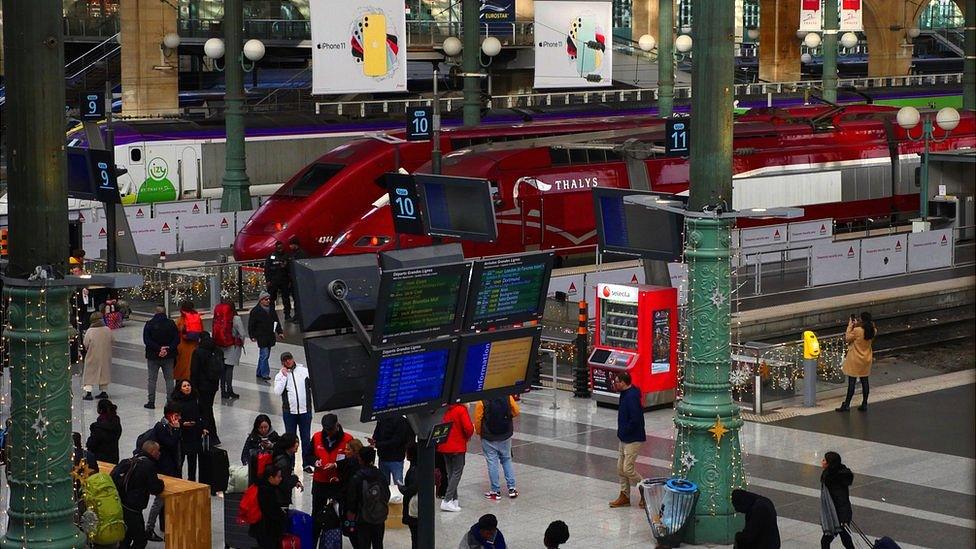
(314, 177)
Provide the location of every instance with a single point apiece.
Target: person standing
(368, 502)
(161, 338)
(264, 328)
(835, 501)
(192, 425)
(206, 370)
(493, 423)
(410, 488)
(283, 457)
(277, 277)
(268, 531)
(261, 439)
(760, 530)
(105, 432)
(295, 387)
(630, 433)
(390, 438)
(136, 479)
(190, 327)
(328, 445)
(484, 534)
(98, 358)
(860, 356)
(454, 449)
(229, 334)
(167, 434)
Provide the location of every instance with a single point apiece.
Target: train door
(132, 157)
(188, 172)
(527, 199)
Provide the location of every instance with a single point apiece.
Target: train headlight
(371, 241)
(277, 227)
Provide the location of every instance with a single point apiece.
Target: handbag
(205, 445)
(412, 511)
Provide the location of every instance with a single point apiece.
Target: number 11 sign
(677, 141)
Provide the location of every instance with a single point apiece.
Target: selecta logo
(606, 291)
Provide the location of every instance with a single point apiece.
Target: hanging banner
(573, 46)
(810, 15)
(497, 18)
(850, 16)
(358, 47)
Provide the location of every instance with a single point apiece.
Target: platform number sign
(104, 177)
(93, 106)
(677, 140)
(404, 204)
(420, 123)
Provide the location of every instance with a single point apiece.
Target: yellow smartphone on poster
(374, 44)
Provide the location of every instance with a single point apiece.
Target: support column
(148, 87)
(645, 20)
(707, 449)
(665, 58)
(831, 23)
(41, 507)
(236, 194)
(969, 64)
(470, 56)
(779, 48)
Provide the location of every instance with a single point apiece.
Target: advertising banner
(138, 211)
(809, 15)
(358, 47)
(929, 250)
(833, 262)
(497, 17)
(573, 46)
(207, 231)
(181, 208)
(755, 241)
(850, 16)
(884, 256)
(810, 230)
(152, 236)
(661, 347)
(93, 235)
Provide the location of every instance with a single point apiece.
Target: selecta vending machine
(636, 332)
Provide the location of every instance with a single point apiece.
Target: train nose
(248, 247)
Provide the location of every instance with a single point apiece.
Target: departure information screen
(495, 363)
(410, 378)
(420, 303)
(508, 290)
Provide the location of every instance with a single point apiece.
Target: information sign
(677, 134)
(508, 290)
(439, 434)
(404, 204)
(93, 106)
(420, 303)
(420, 123)
(409, 378)
(92, 175)
(461, 207)
(492, 364)
(634, 229)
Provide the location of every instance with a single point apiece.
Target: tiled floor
(921, 492)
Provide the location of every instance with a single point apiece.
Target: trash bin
(669, 504)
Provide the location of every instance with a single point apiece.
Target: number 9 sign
(93, 106)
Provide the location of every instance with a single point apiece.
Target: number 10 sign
(677, 141)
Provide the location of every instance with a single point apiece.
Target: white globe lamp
(452, 46)
(908, 117)
(805, 58)
(254, 50)
(914, 32)
(683, 43)
(947, 118)
(848, 40)
(811, 40)
(214, 48)
(491, 46)
(752, 33)
(171, 41)
(646, 42)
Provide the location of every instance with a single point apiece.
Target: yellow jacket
(860, 356)
(479, 412)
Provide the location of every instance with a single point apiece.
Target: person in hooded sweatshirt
(835, 501)
(105, 432)
(484, 534)
(760, 531)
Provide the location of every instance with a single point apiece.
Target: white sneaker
(446, 505)
(455, 506)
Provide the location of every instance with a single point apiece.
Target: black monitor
(338, 367)
(461, 207)
(413, 377)
(420, 303)
(409, 258)
(492, 364)
(92, 175)
(508, 290)
(79, 174)
(633, 229)
(314, 304)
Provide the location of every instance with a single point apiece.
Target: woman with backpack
(835, 501)
(268, 529)
(192, 425)
(190, 325)
(454, 449)
(105, 432)
(261, 439)
(98, 358)
(229, 334)
(493, 423)
(860, 356)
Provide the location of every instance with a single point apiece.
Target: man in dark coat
(277, 276)
(136, 479)
(390, 438)
(206, 369)
(265, 329)
(837, 479)
(761, 531)
(630, 433)
(161, 337)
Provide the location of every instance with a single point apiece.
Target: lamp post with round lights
(908, 118)
(668, 52)
(236, 194)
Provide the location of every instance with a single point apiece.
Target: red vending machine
(636, 332)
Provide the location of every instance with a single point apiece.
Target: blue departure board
(508, 290)
(420, 303)
(409, 378)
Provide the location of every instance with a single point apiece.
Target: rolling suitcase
(883, 542)
(235, 533)
(215, 469)
(300, 525)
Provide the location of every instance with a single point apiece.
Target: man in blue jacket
(630, 433)
(160, 337)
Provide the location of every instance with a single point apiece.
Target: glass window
(314, 177)
(135, 154)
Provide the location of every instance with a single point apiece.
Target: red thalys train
(841, 163)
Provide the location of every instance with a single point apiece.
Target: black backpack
(215, 365)
(149, 434)
(498, 417)
(375, 504)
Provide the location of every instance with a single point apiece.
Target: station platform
(913, 455)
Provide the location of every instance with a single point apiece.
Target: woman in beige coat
(98, 357)
(857, 364)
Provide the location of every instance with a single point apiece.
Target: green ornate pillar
(707, 423)
(665, 58)
(236, 195)
(969, 63)
(831, 24)
(470, 62)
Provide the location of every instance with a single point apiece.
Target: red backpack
(223, 326)
(250, 510)
(192, 325)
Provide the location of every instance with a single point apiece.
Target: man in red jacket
(454, 449)
(329, 446)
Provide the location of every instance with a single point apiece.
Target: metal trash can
(669, 504)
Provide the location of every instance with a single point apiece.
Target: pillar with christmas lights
(707, 423)
(41, 504)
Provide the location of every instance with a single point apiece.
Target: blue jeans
(495, 451)
(392, 469)
(264, 369)
(303, 423)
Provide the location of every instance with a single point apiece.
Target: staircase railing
(97, 54)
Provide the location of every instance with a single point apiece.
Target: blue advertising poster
(497, 18)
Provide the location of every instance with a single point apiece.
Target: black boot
(845, 407)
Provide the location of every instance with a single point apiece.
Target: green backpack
(102, 498)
